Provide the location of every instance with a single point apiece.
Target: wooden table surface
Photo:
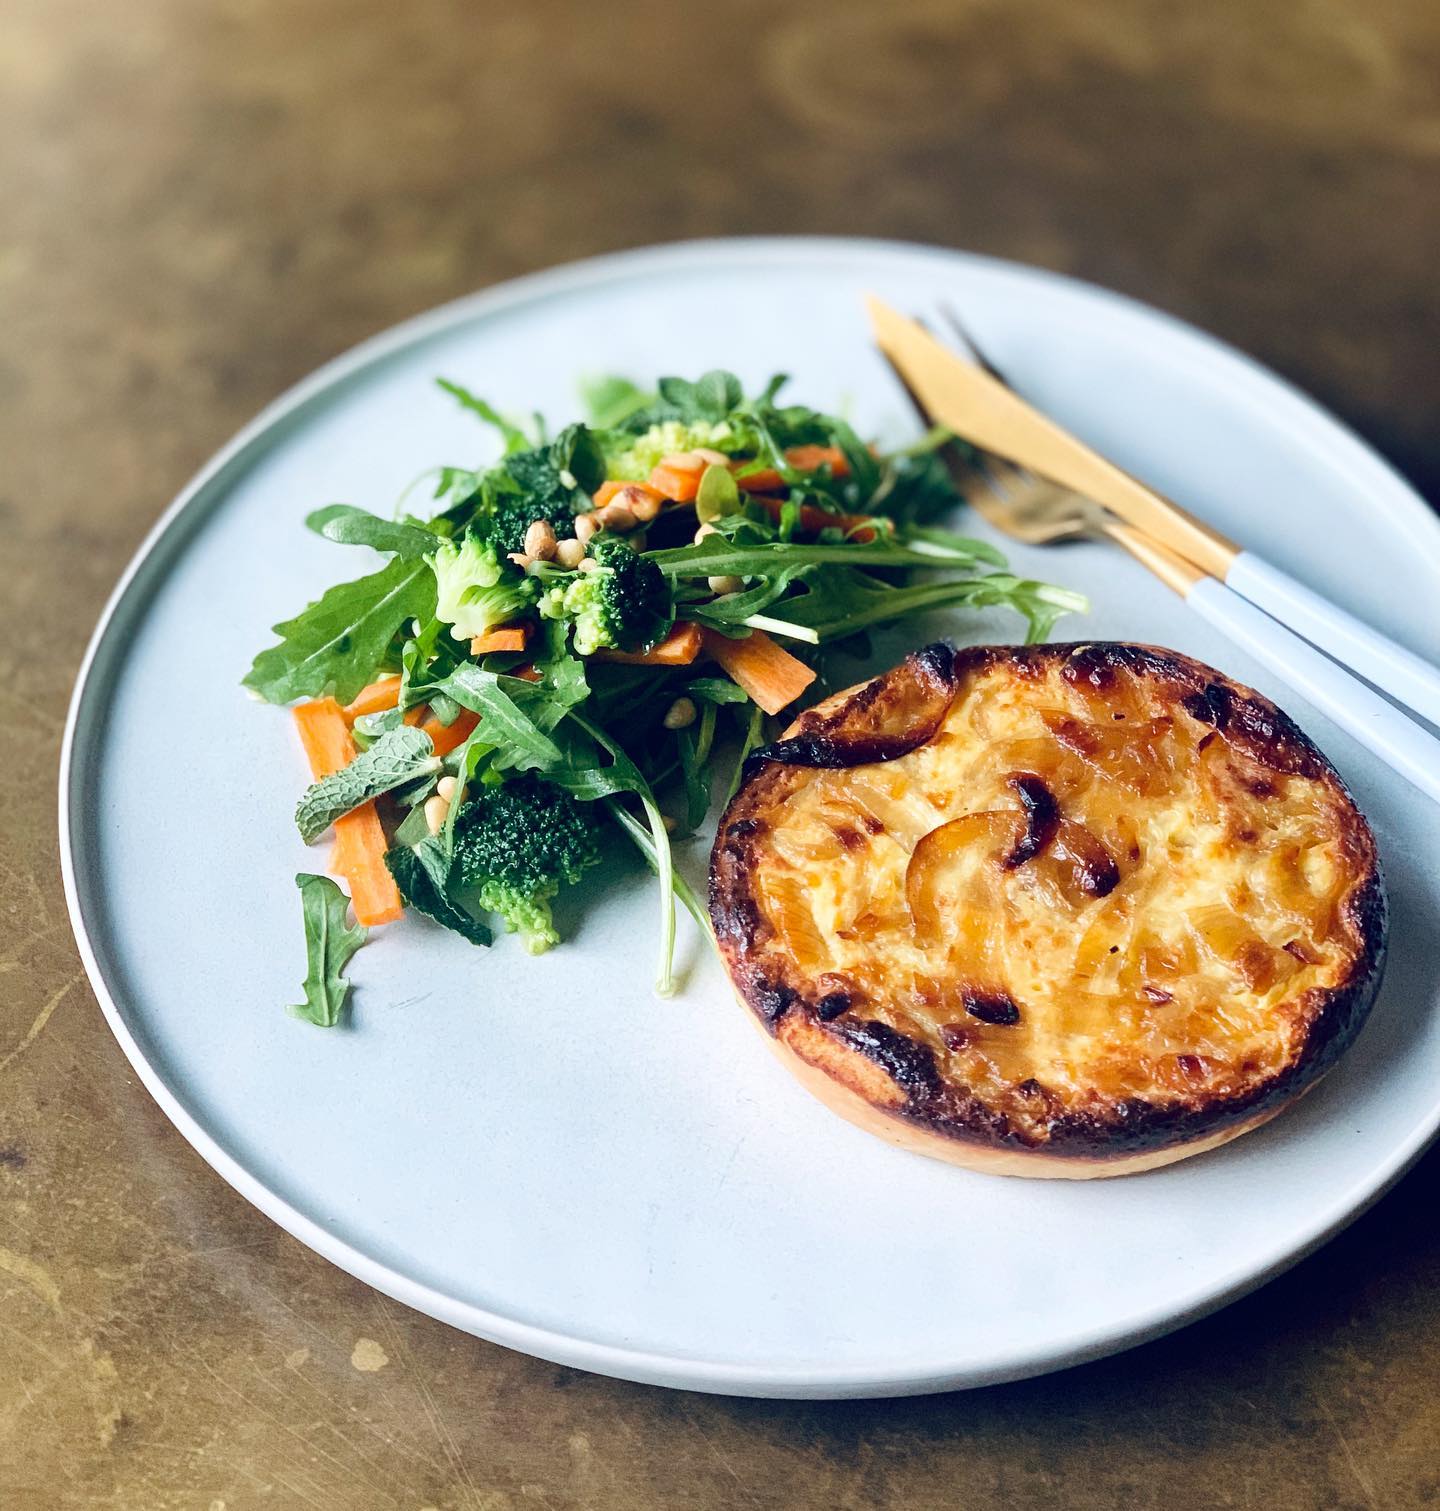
(202, 200)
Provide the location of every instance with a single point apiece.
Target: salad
(585, 641)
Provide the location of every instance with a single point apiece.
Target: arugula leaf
(422, 873)
(397, 757)
(340, 641)
(357, 527)
(752, 739)
(645, 844)
(330, 941)
(718, 555)
(840, 601)
(516, 718)
(515, 439)
(716, 690)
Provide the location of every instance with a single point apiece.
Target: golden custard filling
(1070, 898)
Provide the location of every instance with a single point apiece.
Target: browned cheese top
(1099, 878)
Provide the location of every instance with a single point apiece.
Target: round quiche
(1061, 910)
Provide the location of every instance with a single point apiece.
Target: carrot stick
(678, 483)
(679, 648)
(813, 520)
(374, 699)
(767, 480)
(359, 854)
(508, 637)
(448, 737)
(772, 676)
(813, 458)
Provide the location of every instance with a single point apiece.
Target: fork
(1037, 511)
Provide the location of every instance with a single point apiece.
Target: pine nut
(445, 788)
(588, 565)
(711, 458)
(569, 553)
(616, 517)
(643, 503)
(726, 584)
(703, 531)
(520, 559)
(540, 540)
(585, 526)
(680, 714)
(435, 810)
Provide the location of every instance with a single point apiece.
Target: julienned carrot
(448, 737)
(375, 699)
(508, 637)
(678, 483)
(766, 480)
(359, 854)
(813, 458)
(803, 459)
(772, 676)
(813, 520)
(679, 648)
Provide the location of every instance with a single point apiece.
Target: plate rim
(1384, 488)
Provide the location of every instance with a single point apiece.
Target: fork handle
(1401, 743)
(1394, 670)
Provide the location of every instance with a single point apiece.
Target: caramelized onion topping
(1042, 817)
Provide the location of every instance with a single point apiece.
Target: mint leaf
(330, 941)
(397, 757)
(339, 642)
(422, 874)
(358, 527)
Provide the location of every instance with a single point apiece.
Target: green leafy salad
(583, 643)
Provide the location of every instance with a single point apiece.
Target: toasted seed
(569, 553)
(616, 517)
(703, 531)
(435, 810)
(588, 565)
(585, 526)
(520, 559)
(540, 540)
(680, 714)
(711, 458)
(725, 584)
(681, 461)
(445, 788)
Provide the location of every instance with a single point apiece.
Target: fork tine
(971, 345)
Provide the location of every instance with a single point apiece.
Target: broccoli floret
(509, 515)
(625, 605)
(475, 590)
(553, 483)
(514, 846)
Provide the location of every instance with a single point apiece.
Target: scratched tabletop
(205, 199)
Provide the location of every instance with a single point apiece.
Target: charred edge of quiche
(928, 680)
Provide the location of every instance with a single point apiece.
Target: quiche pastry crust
(1050, 910)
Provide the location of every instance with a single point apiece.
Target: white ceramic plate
(538, 1150)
